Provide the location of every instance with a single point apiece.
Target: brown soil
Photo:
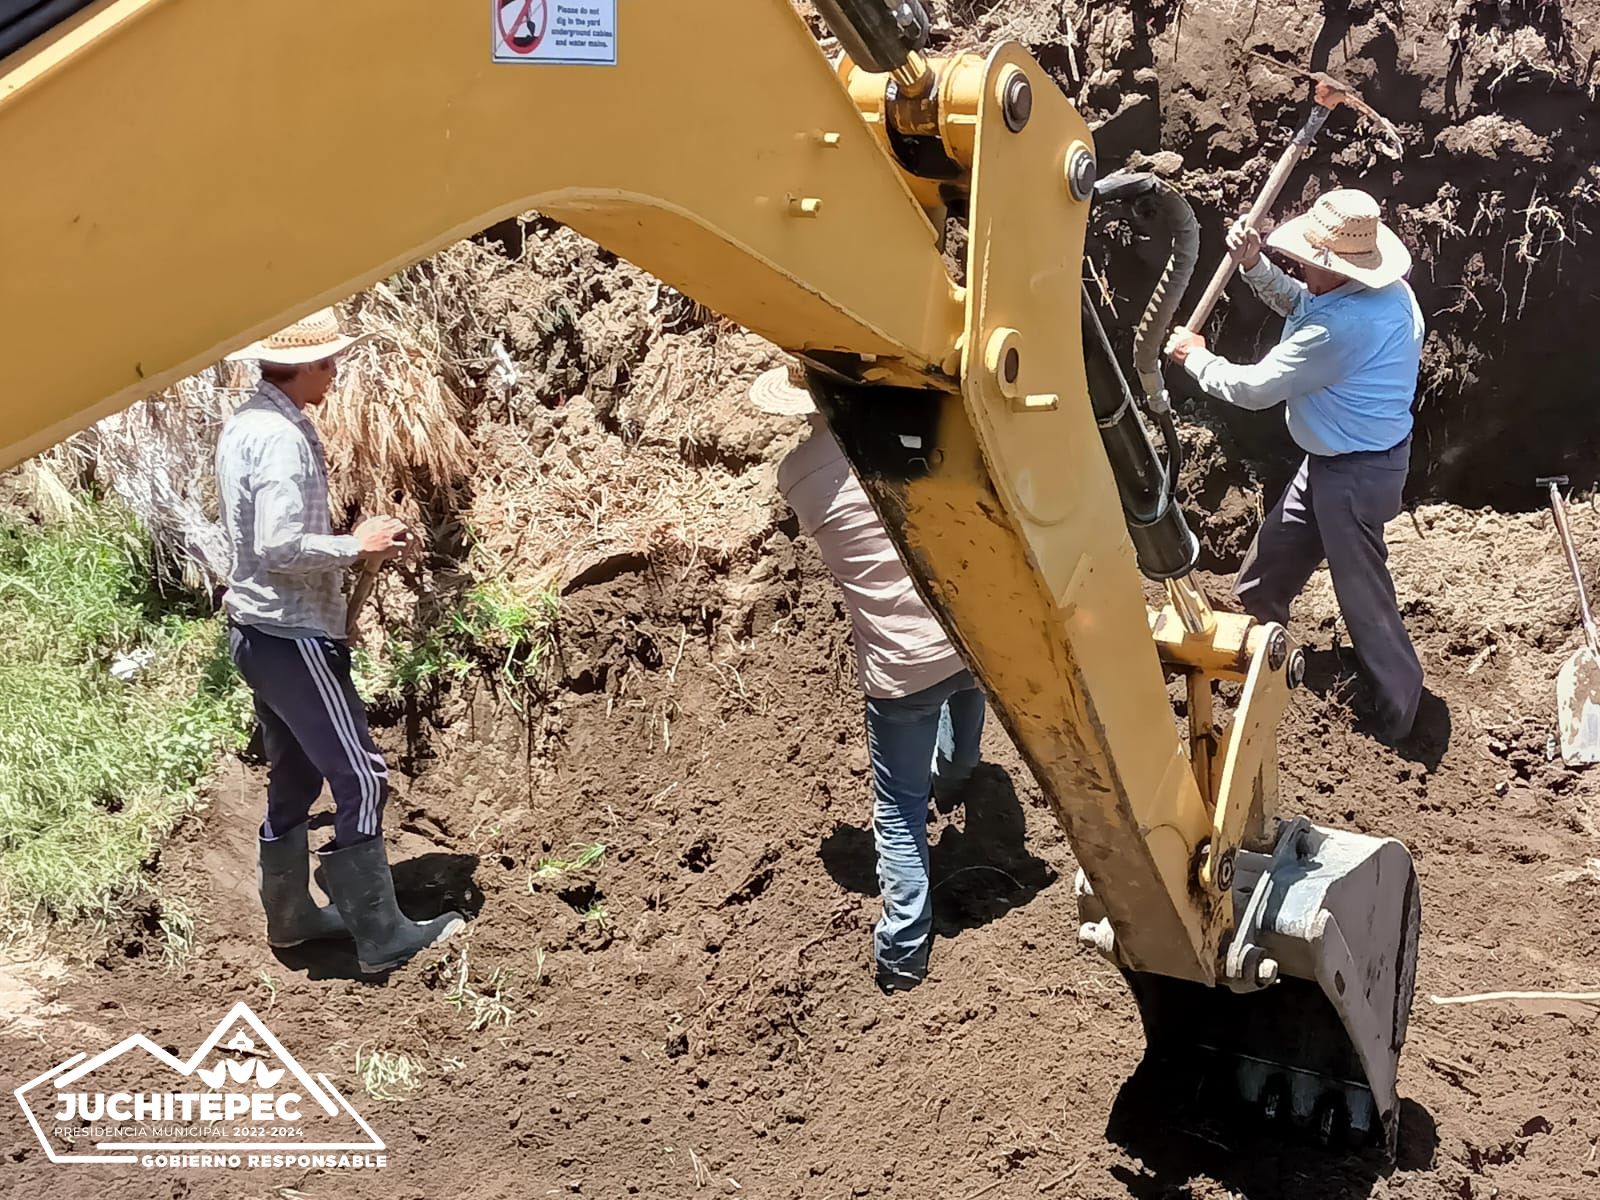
(721, 1025)
(718, 1031)
(1495, 195)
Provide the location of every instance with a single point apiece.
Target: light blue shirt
(1345, 368)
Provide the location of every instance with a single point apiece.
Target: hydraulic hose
(1172, 218)
(876, 34)
(1176, 219)
(1162, 541)
(1165, 546)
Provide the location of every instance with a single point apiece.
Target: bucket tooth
(1311, 1014)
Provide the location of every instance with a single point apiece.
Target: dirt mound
(692, 1011)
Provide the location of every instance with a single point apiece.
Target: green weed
(494, 627)
(269, 984)
(176, 923)
(94, 769)
(550, 867)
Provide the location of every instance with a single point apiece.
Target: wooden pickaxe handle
(1292, 154)
(365, 582)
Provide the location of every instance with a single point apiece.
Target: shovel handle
(1560, 511)
(1292, 154)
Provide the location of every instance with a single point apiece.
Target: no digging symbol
(523, 24)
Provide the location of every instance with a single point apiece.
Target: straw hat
(1344, 233)
(310, 339)
(782, 392)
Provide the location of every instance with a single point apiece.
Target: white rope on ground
(1484, 997)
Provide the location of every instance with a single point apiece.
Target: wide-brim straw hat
(1344, 232)
(779, 393)
(310, 339)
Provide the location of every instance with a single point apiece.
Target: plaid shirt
(272, 480)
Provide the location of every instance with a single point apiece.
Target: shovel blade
(1578, 707)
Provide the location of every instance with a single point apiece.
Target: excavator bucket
(1320, 972)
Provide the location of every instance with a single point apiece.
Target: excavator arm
(189, 175)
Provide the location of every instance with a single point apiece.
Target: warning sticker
(582, 32)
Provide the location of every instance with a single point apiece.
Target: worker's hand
(1181, 342)
(1245, 243)
(382, 538)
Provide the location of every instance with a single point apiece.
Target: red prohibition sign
(531, 16)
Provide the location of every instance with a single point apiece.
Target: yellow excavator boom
(187, 175)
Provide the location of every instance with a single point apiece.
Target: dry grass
(551, 517)
(586, 404)
(392, 423)
(392, 428)
(157, 458)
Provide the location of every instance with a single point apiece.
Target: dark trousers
(314, 728)
(1336, 509)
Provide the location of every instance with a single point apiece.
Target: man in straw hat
(924, 710)
(286, 628)
(1346, 371)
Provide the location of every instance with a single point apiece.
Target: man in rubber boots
(924, 710)
(286, 629)
(1346, 371)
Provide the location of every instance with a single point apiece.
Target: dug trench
(692, 1012)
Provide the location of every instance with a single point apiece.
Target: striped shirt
(272, 481)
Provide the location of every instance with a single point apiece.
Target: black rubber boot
(283, 874)
(360, 884)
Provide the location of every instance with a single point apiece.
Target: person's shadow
(981, 868)
(424, 887)
(1180, 1126)
(1333, 672)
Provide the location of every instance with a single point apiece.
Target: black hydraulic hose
(1166, 547)
(1166, 209)
(23, 20)
(1162, 541)
(876, 36)
(1176, 219)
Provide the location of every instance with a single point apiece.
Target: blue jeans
(929, 739)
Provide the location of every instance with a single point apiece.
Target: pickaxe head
(1332, 92)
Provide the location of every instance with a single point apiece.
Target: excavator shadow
(1182, 1124)
(981, 867)
(980, 864)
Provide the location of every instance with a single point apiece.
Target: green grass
(494, 628)
(550, 867)
(95, 770)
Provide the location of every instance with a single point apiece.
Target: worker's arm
(1276, 288)
(1302, 363)
(280, 479)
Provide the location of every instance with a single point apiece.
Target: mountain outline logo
(254, 1103)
